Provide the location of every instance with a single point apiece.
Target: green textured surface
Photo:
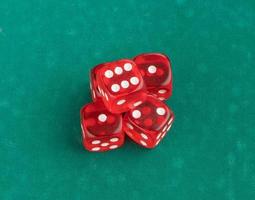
(46, 51)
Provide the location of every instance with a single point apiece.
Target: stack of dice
(128, 99)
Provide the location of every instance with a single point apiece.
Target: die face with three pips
(157, 74)
(128, 99)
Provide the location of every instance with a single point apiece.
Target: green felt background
(46, 51)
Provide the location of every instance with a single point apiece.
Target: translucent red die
(121, 85)
(157, 74)
(101, 129)
(95, 94)
(148, 123)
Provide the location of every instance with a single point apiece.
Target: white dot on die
(82, 129)
(106, 96)
(108, 74)
(169, 128)
(114, 139)
(144, 136)
(129, 134)
(152, 69)
(163, 135)
(118, 70)
(143, 143)
(159, 135)
(102, 117)
(83, 133)
(99, 89)
(170, 121)
(95, 149)
(162, 91)
(115, 87)
(124, 84)
(127, 66)
(161, 111)
(136, 114)
(94, 94)
(134, 80)
(95, 142)
(137, 103)
(130, 126)
(104, 144)
(120, 102)
(113, 146)
(164, 128)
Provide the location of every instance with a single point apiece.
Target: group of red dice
(128, 99)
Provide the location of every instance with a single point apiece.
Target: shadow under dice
(148, 123)
(157, 74)
(121, 85)
(101, 130)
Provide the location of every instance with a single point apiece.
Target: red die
(121, 85)
(95, 94)
(157, 74)
(148, 123)
(101, 130)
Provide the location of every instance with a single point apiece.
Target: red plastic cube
(121, 85)
(101, 130)
(148, 123)
(157, 74)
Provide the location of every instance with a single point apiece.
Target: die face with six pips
(128, 99)
(121, 85)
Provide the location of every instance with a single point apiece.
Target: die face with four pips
(148, 123)
(121, 85)
(157, 74)
(128, 99)
(101, 129)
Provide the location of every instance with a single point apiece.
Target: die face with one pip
(157, 74)
(101, 130)
(148, 123)
(121, 85)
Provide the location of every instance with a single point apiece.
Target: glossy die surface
(121, 85)
(148, 123)
(157, 74)
(101, 130)
(95, 94)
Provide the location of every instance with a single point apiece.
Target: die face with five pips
(148, 123)
(101, 129)
(128, 99)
